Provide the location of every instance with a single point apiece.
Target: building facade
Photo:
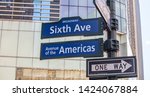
(135, 34)
(20, 37)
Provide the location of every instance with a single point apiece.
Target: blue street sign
(119, 67)
(83, 48)
(73, 26)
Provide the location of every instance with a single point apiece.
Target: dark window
(40, 10)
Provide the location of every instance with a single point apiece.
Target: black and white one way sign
(123, 66)
(120, 67)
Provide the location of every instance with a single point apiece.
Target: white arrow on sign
(123, 66)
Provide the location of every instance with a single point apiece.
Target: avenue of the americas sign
(82, 48)
(73, 26)
(119, 67)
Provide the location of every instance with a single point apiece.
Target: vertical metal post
(111, 45)
(112, 34)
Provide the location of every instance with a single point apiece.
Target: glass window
(36, 16)
(25, 48)
(45, 7)
(36, 6)
(64, 11)
(124, 25)
(123, 1)
(45, 11)
(30, 9)
(74, 2)
(45, 17)
(65, 2)
(117, 8)
(36, 1)
(83, 12)
(91, 13)
(46, 1)
(73, 11)
(3, 7)
(123, 11)
(6, 0)
(36, 12)
(90, 3)
(121, 14)
(54, 19)
(9, 43)
(82, 2)
(98, 14)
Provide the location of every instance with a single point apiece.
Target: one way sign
(123, 66)
(119, 67)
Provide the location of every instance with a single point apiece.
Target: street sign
(119, 67)
(82, 48)
(73, 26)
(103, 10)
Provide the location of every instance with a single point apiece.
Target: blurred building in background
(20, 37)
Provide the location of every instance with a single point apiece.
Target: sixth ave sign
(119, 67)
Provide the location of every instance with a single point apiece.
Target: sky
(145, 24)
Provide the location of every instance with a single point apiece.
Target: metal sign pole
(112, 36)
(113, 67)
(111, 45)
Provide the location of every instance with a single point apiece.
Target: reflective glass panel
(73, 11)
(74, 2)
(82, 2)
(83, 12)
(91, 13)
